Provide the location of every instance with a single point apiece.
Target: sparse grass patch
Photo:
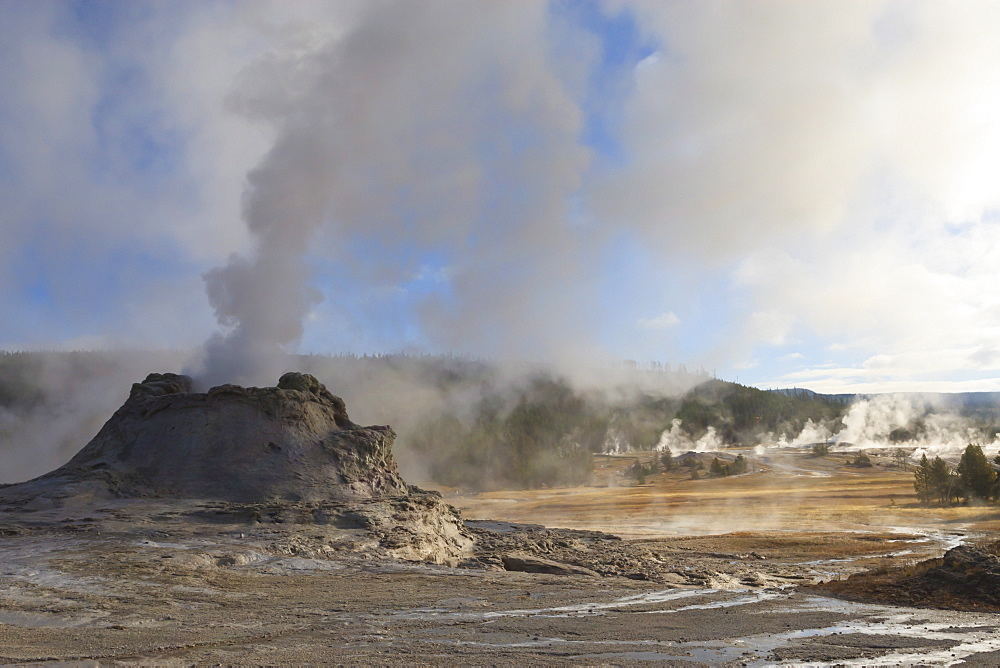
(795, 491)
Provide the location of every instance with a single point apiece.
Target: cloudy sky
(788, 193)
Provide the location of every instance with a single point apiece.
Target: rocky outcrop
(972, 571)
(967, 577)
(286, 457)
(528, 563)
(292, 442)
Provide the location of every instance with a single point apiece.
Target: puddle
(947, 643)
(945, 539)
(756, 597)
(598, 608)
(647, 598)
(965, 634)
(862, 557)
(577, 610)
(936, 637)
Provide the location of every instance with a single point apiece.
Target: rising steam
(375, 169)
(676, 441)
(576, 175)
(919, 423)
(262, 301)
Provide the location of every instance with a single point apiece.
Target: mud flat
(173, 593)
(168, 583)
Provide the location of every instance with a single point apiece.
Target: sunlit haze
(788, 194)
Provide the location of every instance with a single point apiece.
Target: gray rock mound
(292, 443)
(283, 465)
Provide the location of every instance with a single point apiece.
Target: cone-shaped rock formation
(292, 442)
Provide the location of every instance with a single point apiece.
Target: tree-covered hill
(741, 414)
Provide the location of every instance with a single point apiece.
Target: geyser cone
(293, 442)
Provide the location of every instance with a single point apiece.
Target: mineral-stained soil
(262, 526)
(147, 581)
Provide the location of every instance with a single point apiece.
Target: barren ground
(721, 560)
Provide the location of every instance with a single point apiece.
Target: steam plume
(473, 164)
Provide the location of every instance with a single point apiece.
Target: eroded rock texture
(292, 442)
(286, 456)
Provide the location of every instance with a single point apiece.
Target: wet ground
(175, 595)
(120, 586)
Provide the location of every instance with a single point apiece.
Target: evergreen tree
(921, 481)
(717, 469)
(899, 455)
(934, 481)
(976, 476)
(667, 460)
(941, 481)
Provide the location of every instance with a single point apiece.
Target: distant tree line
(741, 414)
(666, 462)
(546, 437)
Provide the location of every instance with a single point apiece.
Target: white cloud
(761, 120)
(666, 320)
(836, 160)
(842, 154)
(771, 327)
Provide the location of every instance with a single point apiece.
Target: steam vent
(293, 442)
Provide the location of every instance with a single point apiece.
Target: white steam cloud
(811, 433)
(922, 424)
(828, 167)
(475, 158)
(677, 441)
(925, 424)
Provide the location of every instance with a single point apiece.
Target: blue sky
(789, 194)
